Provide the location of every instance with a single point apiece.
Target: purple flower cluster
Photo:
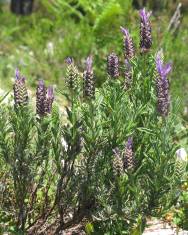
(145, 31)
(125, 161)
(162, 85)
(113, 65)
(44, 99)
(128, 44)
(89, 83)
(20, 91)
(129, 161)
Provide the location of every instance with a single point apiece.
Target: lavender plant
(24, 150)
(110, 159)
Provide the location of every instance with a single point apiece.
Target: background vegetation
(39, 43)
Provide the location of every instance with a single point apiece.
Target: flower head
(162, 85)
(44, 99)
(89, 83)
(128, 44)
(71, 74)
(20, 90)
(145, 30)
(113, 65)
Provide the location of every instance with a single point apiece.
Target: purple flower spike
(162, 85)
(129, 161)
(40, 98)
(113, 65)
(44, 99)
(128, 44)
(145, 31)
(20, 90)
(89, 83)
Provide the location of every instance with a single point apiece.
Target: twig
(175, 20)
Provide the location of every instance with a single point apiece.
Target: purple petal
(127, 64)
(89, 62)
(144, 15)
(22, 80)
(41, 83)
(124, 31)
(50, 92)
(17, 74)
(69, 60)
(166, 69)
(129, 142)
(159, 63)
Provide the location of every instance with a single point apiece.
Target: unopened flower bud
(117, 163)
(71, 74)
(20, 91)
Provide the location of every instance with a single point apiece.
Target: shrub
(110, 160)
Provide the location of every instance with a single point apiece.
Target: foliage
(181, 216)
(107, 161)
(110, 160)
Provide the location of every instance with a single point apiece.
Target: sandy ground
(158, 227)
